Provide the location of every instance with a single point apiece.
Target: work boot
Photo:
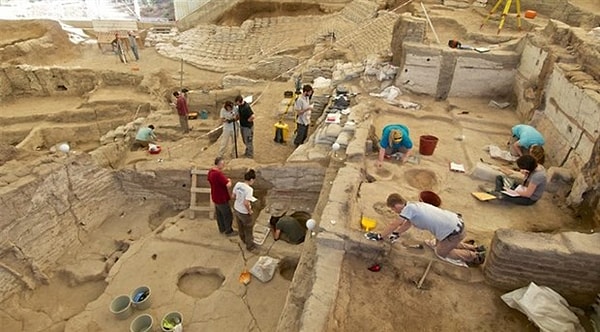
(231, 233)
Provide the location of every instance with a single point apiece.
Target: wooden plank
(200, 190)
(200, 171)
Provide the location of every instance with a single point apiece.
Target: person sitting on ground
(447, 227)
(523, 137)
(394, 139)
(286, 227)
(532, 188)
(145, 136)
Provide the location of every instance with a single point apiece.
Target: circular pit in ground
(421, 179)
(200, 282)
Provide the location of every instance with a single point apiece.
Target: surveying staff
(246, 124)
(182, 111)
(394, 139)
(229, 117)
(447, 227)
(303, 110)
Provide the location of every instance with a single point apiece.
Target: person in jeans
(532, 188)
(303, 110)
(447, 227)
(219, 194)
(243, 194)
(394, 138)
(246, 124)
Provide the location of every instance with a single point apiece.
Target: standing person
(117, 47)
(229, 117)
(243, 193)
(303, 110)
(394, 139)
(182, 111)
(133, 44)
(246, 124)
(447, 227)
(219, 194)
(145, 136)
(523, 137)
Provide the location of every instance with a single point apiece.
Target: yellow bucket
(368, 223)
(281, 132)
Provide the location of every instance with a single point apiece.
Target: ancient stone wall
(24, 81)
(206, 14)
(43, 216)
(444, 72)
(558, 78)
(566, 262)
(563, 10)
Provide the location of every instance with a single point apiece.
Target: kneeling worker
(286, 228)
(145, 136)
(394, 139)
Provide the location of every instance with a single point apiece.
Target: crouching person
(447, 227)
(286, 227)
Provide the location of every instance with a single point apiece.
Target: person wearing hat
(394, 139)
(243, 194)
(286, 227)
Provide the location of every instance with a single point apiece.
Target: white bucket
(144, 302)
(170, 320)
(142, 323)
(121, 307)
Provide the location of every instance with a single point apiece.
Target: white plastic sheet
(545, 307)
(264, 268)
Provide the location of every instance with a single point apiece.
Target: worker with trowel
(447, 227)
(145, 136)
(394, 140)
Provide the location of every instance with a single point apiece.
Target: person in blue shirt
(394, 138)
(145, 136)
(524, 137)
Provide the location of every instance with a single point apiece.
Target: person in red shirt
(182, 110)
(219, 194)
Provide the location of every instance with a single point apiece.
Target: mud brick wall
(43, 218)
(566, 262)
(23, 81)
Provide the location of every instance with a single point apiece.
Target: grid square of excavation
(60, 190)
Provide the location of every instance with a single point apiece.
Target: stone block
(565, 262)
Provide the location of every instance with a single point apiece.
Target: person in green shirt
(145, 136)
(286, 227)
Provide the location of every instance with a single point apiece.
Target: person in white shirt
(229, 117)
(243, 194)
(303, 110)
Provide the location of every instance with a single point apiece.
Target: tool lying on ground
(420, 283)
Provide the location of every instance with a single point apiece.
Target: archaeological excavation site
(110, 216)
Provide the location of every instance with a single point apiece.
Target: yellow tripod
(504, 13)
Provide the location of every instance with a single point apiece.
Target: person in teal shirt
(524, 137)
(145, 136)
(394, 138)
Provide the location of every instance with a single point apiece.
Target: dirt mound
(25, 41)
(7, 153)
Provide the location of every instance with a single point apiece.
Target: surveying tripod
(504, 13)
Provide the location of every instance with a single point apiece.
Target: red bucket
(430, 197)
(427, 144)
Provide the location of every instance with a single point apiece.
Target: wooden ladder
(195, 191)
